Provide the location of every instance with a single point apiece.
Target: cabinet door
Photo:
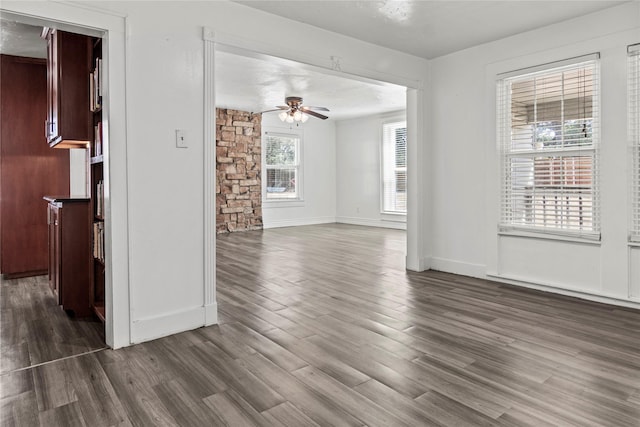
(68, 62)
(53, 85)
(54, 250)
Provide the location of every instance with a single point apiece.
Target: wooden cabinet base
(69, 254)
(99, 311)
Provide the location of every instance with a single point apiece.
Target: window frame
(396, 124)
(508, 154)
(633, 134)
(298, 167)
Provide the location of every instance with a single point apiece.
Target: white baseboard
(211, 314)
(421, 264)
(458, 267)
(398, 225)
(296, 222)
(479, 271)
(563, 290)
(161, 326)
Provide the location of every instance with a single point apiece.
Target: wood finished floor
(34, 329)
(320, 325)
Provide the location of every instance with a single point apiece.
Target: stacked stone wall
(238, 163)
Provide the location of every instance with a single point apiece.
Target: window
(282, 166)
(548, 133)
(634, 137)
(394, 168)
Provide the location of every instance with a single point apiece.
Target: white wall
(155, 209)
(465, 164)
(318, 175)
(358, 169)
(78, 172)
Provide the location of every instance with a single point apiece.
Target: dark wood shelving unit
(96, 159)
(74, 120)
(96, 163)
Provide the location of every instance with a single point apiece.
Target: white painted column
(417, 184)
(210, 304)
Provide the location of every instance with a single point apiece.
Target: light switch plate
(181, 139)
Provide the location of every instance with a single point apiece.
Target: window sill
(393, 216)
(587, 240)
(295, 203)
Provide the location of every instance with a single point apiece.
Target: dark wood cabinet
(69, 121)
(29, 169)
(69, 221)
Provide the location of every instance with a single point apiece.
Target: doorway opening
(53, 180)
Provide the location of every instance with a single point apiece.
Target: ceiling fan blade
(314, 114)
(314, 108)
(270, 111)
(282, 107)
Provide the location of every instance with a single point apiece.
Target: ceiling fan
(294, 111)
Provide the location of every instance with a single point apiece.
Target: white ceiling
(21, 40)
(257, 83)
(424, 28)
(428, 28)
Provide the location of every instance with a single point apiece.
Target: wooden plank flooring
(34, 329)
(321, 325)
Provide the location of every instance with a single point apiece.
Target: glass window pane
(281, 150)
(281, 183)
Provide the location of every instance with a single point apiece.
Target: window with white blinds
(394, 168)
(548, 130)
(282, 174)
(634, 137)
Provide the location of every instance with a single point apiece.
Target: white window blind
(548, 130)
(394, 167)
(282, 166)
(634, 137)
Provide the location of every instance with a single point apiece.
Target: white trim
(564, 290)
(167, 324)
(458, 267)
(282, 203)
(211, 314)
(422, 264)
(259, 48)
(209, 285)
(418, 183)
(520, 232)
(88, 20)
(367, 222)
(522, 72)
(296, 222)
(633, 287)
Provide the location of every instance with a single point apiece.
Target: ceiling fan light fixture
(294, 111)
